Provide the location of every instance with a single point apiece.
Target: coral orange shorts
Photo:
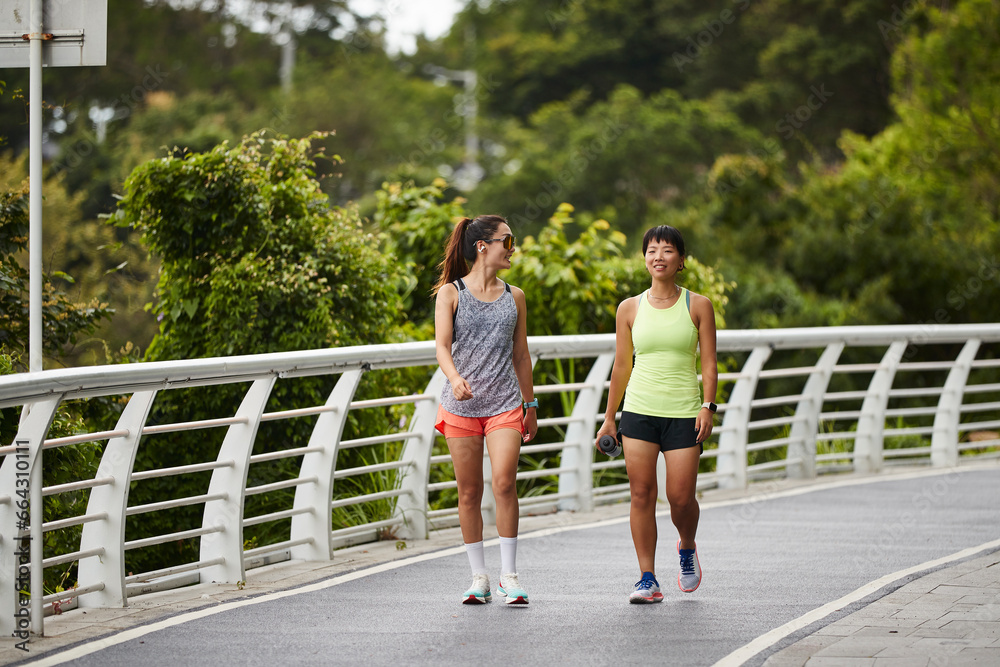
(456, 426)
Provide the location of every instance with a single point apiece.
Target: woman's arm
(522, 363)
(622, 370)
(703, 316)
(444, 311)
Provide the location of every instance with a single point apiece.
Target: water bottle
(610, 446)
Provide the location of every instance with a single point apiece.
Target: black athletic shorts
(667, 432)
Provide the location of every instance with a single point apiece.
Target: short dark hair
(664, 233)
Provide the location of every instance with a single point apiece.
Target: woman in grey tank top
(482, 348)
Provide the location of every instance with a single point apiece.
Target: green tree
(88, 259)
(254, 257)
(761, 58)
(63, 321)
(416, 223)
(905, 230)
(393, 125)
(623, 159)
(254, 260)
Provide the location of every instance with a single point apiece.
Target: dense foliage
(905, 230)
(758, 127)
(63, 321)
(254, 260)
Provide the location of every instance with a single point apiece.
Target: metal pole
(469, 112)
(35, 296)
(473, 171)
(35, 185)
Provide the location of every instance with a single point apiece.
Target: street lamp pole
(35, 187)
(469, 175)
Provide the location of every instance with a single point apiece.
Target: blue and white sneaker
(510, 590)
(689, 577)
(479, 592)
(647, 590)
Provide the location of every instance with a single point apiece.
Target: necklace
(677, 290)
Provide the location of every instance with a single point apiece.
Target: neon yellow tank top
(664, 380)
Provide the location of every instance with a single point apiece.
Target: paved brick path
(947, 618)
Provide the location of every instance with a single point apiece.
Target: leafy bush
(255, 260)
(63, 322)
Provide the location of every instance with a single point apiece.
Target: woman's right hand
(607, 428)
(460, 388)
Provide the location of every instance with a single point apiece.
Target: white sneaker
(510, 590)
(647, 590)
(689, 578)
(479, 592)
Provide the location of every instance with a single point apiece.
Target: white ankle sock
(477, 559)
(508, 555)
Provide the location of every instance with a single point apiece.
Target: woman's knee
(505, 486)
(681, 502)
(470, 494)
(642, 492)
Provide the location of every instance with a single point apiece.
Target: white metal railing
(784, 420)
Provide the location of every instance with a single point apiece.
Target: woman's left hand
(530, 423)
(703, 425)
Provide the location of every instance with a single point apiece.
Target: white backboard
(79, 30)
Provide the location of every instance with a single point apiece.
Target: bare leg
(682, 479)
(640, 462)
(467, 457)
(505, 449)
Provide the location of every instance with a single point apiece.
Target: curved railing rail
(802, 402)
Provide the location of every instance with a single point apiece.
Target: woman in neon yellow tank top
(664, 411)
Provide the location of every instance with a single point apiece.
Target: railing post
(732, 461)
(412, 504)
(317, 524)
(579, 450)
(868, 442)
(944, 440)
(117, 461)
(803, 432)
(489, 502)
(36, 418)
(226, 513)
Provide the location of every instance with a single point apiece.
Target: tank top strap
(460, 286)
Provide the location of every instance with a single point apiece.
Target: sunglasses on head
(509, 241)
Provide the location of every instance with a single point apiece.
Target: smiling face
(493, 252)
(662, 259)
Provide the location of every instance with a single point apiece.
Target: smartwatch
(711, 406)
(533, 403)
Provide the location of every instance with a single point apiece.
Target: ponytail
(454, 266)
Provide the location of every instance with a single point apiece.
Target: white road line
(744, 653)
(134, 633)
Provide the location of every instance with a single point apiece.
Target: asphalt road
(766, 561)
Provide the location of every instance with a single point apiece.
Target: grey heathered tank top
(483, 352)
